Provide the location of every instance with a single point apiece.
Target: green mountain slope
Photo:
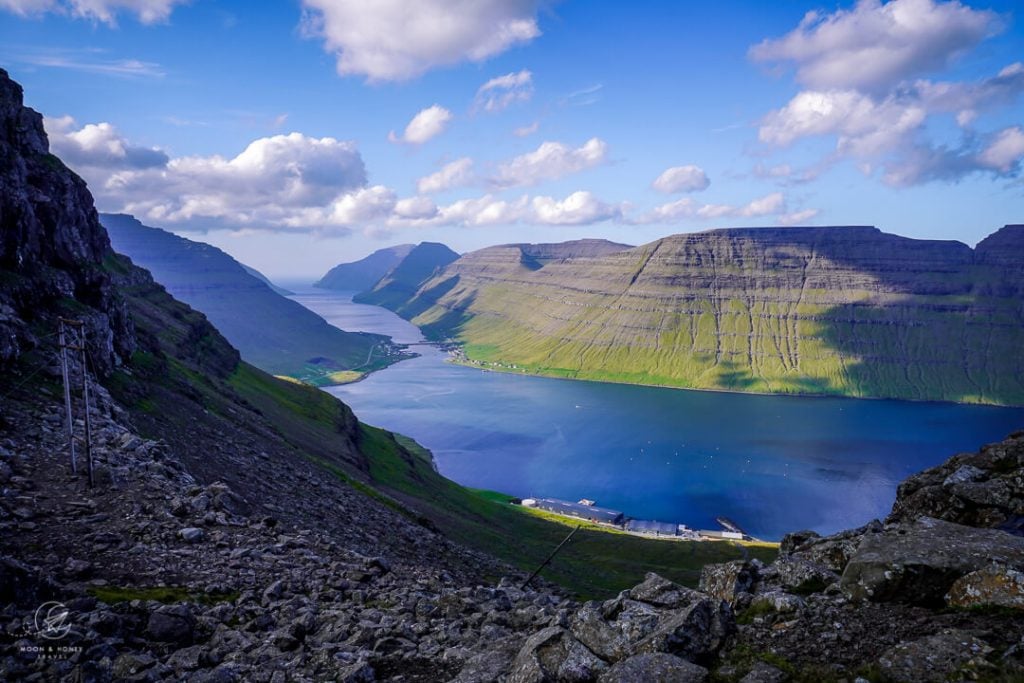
(839, 310)
(364, 273)
(402, 281)
(272, 332)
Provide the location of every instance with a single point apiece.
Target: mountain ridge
(826, 310)
(273, 332)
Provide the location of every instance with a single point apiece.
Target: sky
(299, 134)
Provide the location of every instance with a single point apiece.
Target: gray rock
(918, 563)
(191, 534)
(554, 654)
(171, 623)
(657, 667)
(695, 633)
(934, 658)
(776, 601)
(727, 580)
(994, 585)
(659, 591)
(763, 672)
(803, 576)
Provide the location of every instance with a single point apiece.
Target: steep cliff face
(364, 273)
(52, 247)
(272, 332)
(838, 310)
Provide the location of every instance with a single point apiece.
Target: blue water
(771, 463)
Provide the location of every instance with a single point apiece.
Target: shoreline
(532, 373)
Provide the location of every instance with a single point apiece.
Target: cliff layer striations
(837, 310)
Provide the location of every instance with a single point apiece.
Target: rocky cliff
(837, 310)
(271, 331)
(366, 272)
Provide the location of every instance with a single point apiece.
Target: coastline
(533, 373)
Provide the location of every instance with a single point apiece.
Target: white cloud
(498, 93)
(458, 173)
(1005, 151)
(390, 40)
(98, 146)
(525, 131)
(106, 11)
(550, 161)
(861, 125)
(579, 208)
(77, 61)
(682, 179)
(427, 124)
(686, 208)
(876, 45)
(416, 207)
(798, 217)
(280, 182)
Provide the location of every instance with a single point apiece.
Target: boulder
(171, 623)
(191, 534)
(554, 654)
(940, 657)
(695, 632)
(993, 586)
(918, 562)
(803, 576)
(657, 667)
(727, 580)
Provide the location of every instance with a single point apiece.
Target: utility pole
(550, 557)
(67, 397)
(79, 345)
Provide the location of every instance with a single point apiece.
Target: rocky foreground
(167, 579)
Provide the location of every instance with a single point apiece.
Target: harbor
(587, 510)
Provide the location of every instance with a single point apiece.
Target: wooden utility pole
(67, 397)
(78, 327)
(550, 557)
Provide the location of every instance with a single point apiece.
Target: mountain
(364, 273)
(238, 525)
(830, 310)
(263, 278)
(272, 332)
(402, 281)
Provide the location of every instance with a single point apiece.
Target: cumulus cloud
(458, 173)
(876, 45)
(393, 41)
(682, 179)
(857, 67)
(279, 182)
(579, 208)
(1005, 151)
(106, 11)
(498, 93)
(550, 161)
(98, 146)
(427, 124)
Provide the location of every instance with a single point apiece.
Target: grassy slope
(194, 362)
(591, 323)
(596, 563)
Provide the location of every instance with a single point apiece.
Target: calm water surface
(774, 464)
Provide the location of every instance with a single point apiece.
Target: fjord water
(771, 463)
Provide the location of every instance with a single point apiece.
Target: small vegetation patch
(165, 594)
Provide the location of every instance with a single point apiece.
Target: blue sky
(296, 135)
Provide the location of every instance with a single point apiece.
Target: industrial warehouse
(587, 510)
